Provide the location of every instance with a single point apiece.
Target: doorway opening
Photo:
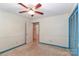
(36, 32)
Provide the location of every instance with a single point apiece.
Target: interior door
(76, 33)
(36, 32)
(73, 32)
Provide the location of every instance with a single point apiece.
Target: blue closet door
(76, 32)
(73, 32)
(70, 32)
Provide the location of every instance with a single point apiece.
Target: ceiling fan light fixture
(31, 12)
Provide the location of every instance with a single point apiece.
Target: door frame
(25, 32)
(38, 31)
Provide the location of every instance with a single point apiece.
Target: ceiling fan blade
(38, 6)
(39, 12)
(23, 5)
(22, 11)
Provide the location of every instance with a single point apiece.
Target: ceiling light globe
(31, 12)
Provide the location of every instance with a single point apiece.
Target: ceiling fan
(32, 10)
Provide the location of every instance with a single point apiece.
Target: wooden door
(36, 32)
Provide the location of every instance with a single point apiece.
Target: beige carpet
(37, 50)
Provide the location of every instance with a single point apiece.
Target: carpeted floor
(37, 50)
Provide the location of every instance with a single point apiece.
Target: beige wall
(54, 30)
(12, 30)
(29, 31)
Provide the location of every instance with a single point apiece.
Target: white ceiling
(49, 9)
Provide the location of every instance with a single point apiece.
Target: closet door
(73, 32)
(70, 32)
(76, 32)
(75, 39)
